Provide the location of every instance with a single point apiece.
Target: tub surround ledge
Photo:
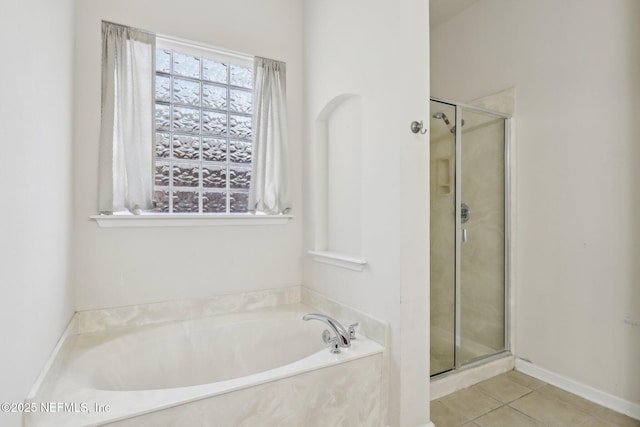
(146, 314)
(368, 325)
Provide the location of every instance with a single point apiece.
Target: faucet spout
(342, 335)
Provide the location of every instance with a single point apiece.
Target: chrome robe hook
(417, 127)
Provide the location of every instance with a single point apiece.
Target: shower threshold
(471, 373)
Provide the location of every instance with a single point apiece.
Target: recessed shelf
(337, 259)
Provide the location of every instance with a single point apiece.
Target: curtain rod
(128, 26)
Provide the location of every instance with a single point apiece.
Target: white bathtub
(259, 368)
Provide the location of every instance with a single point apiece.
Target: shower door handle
(464, 235)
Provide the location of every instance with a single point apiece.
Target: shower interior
(469, 235)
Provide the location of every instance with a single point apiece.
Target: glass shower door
(468, 245)
(443, 246)
(482, 236)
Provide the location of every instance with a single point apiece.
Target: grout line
(539, 391)
(610, 401)
(490, 411)
(590, 417)
(527, 415)
(505, 403)
(571, 405)
(467, 419)
(517, 380)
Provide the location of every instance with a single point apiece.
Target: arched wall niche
(338, 166)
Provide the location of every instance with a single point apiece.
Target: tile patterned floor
(518, 400)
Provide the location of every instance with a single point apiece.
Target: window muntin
(203, 147)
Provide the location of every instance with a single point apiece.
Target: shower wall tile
(145, 314)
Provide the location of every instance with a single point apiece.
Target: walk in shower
(469, 235)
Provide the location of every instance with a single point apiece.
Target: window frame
(179, 219)
(128, 220)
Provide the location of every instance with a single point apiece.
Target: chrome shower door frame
(459, 107)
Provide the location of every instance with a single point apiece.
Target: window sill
(339, 260)
(186, 220)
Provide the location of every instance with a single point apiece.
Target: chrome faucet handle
(352, 330)
(332, 341)
(334, 347)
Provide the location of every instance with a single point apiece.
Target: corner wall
(575, 65)
(139, 265)
(36, 40)
(377, 51)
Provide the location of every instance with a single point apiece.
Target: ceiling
(441, 11)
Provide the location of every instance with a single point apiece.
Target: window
(177, 131)
(203, 149)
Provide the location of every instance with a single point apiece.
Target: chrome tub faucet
(342, 336)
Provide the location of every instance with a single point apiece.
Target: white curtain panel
(126, 135)
(269, 193)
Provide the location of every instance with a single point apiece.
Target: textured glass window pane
(240, 151)
(214, 149)
(214, 123)
(163, 89)
(161, 200)
(186, 174)
(241, 76)
(214, 71)
(214, 96)
(186, 65)
(239, 177)
(186, 147)
(163, 145)
(162, 176)
(240, 101)
(214, 202)
(239, 202)
(239, 126)
(185, 201)
(163, 61)
(214, 176)
(191, 148)
(186, 119)
(186, 92)
(163, 117)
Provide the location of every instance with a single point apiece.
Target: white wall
(36, 40)
(128, 266)
(344, 179)
(575, 65)
(378, 51)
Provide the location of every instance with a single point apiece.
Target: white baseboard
(600, 397)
